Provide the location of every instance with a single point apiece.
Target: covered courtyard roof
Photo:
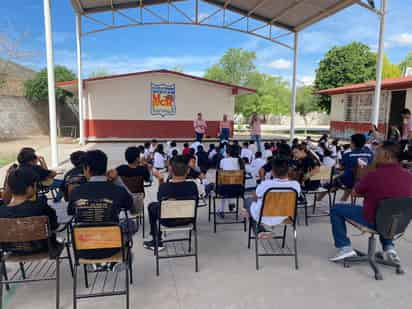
(292, 15)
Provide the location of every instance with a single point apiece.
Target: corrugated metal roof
(387, 84)
(292, 15)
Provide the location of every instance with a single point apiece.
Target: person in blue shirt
(359, 156)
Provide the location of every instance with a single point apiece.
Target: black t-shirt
(30, 209)
(41, 173)
(307, 164)
(202, 159)
(104, 198)
(178, 190)
(75, 171)
(140, 171)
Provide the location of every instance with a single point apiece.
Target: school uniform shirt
(212, 154)
(328, 161)
(256, 165)
(30, 209)
(246, 153)
(195, 145)
(74, 172)
(139, 171)
(350, 161)
(159, 160)
(41, 173)
(105, 197)
(169, 153)
(250, 179)
(256, 207)
(229, 164)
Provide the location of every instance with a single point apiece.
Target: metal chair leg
(372, 258)
(295, 244)
(57, 283)
(86, 278)
(190, 241)
(5, 276)
(157, 254)
(257, 248)
(210, 207)
(214, 214)
(237, 209)
(130, 265)
(284, 236)
(127, 288)
(196, 251)
(75, 287)
(2, 275)
(306, 212)
(69, 257)
(23, 272)
(249, 234)
(143, 223)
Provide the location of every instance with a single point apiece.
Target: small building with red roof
(158, 104)
(351, 107)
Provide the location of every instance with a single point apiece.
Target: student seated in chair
(389, 180)
(177, 188)
(99, 193)
(135, 169)
(74, 175)
(22, 184)
(280, 171)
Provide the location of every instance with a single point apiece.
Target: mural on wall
(163, 102)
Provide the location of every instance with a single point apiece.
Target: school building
(351, 107)
(158, 104)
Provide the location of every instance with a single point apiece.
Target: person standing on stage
(255, 130)
(225, 126)
(200, 127)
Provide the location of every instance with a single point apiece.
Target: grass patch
(6, 159)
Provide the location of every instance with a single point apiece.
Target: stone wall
(20, 118)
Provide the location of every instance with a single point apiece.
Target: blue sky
(196, 48)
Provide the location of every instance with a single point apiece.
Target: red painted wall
(170, 129)
(344, 129)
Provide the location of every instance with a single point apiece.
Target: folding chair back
(325, 174)
(279, 202)
(230, 177)
(91, 238)
(24, 235)
(393, 217)
(134, 184)
(178, 209)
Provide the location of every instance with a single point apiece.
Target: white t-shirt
(169, 153)
(267, 153)
(195, 145)
(250, 180)
(146, 153)
(328, 161)
(246, 153)
(212, 154)
(159, 160)
(260, 192)
(229, 164)
(256, 165)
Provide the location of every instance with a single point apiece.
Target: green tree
(389, 69)
(353, 63)
(407, 62)
(306, 103)
(36, 89)
(234, 67)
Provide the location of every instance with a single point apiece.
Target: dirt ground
(10, 147)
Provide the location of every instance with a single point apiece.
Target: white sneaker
(342, 254)
(391, 256)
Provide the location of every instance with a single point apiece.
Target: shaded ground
(228, 279)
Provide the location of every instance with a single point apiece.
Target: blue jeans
(224, 134)
(199, 137)
(256, 138)
(339, 214)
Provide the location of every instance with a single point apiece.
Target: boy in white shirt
(253, 206)
(173, 146)
(246, 152)
(257, 164)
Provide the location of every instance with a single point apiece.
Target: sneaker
(391, 256)
(150, 245)
(232, 207)
(342, 254)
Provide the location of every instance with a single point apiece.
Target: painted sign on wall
(163, 101)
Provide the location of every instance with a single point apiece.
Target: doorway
(397, 105)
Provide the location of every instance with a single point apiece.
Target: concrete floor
(228, 279)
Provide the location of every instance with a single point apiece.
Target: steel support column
(51, 83)
(294, 87)
(79, 77)
(379, 67)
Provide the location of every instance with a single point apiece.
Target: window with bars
(358, 107)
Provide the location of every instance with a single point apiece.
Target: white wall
(129, 98)
(408, 103)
